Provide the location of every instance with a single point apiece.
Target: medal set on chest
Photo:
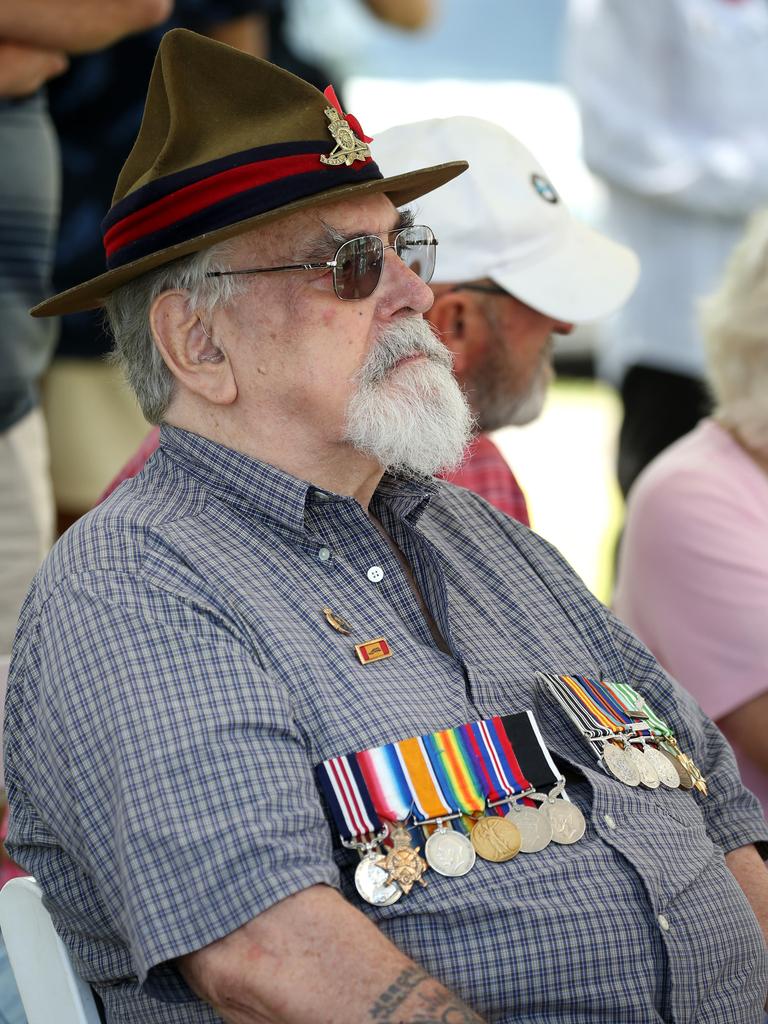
(630, 740)
(484, 789)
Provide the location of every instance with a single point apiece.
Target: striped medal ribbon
(359, 826)
(447, 851)
(635, 723)
(550, 817)
(606, 729)
(664, 742)
(474, 786)
(392, 797)
(493, 838)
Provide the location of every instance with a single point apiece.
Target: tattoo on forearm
(458, 1013)
(389, 1000)
(432, 1007)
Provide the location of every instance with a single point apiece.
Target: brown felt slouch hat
(227, 142)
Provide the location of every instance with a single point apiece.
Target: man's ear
(189, 351)
(461, 325)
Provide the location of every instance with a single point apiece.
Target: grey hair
(734, 320)
(127, 313)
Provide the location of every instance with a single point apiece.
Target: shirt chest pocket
(663, 834)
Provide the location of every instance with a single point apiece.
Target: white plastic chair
(49, 988)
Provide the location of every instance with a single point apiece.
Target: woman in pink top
(693, 570)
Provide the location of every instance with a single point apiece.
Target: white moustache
(399, 341)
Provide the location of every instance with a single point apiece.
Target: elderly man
(515, 269)
(283, 588)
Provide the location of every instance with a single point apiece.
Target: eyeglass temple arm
(269, 270)
(302, 266)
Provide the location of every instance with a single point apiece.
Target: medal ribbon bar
(345, 791)
(448, 774)
(429, 800)
(388, 787)
(524, 735)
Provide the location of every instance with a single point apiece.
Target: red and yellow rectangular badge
(373, 650)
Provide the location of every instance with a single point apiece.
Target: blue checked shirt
(175, 681)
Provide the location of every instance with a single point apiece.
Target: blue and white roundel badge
(545, 188)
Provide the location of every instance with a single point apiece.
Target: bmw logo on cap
(545, 188)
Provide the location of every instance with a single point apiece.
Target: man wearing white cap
(515, 268)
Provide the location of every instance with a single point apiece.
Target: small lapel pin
(373, 650)
(336, 621)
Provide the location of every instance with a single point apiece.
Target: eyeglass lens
(358, 267)
(360, 260)
(416, 248)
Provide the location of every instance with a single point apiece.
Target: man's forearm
(78, 26)
(406, 14)
(750, 872)
(249, 34)
(315, 957)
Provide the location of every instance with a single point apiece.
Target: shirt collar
(270, 492)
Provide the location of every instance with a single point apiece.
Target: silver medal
(620, 764)
(371, 883)
(568, 823)
(449, 853)
(649, 777)
(664, 768)
(535, 827)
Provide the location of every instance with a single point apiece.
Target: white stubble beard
(414, 418)
(498, 405)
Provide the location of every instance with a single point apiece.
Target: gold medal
(496, 839)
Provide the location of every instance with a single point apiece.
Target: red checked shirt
(485, 471)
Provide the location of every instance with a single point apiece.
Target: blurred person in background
(515, 269)
(36, 39)
(96, 109)
(674, 102)
(693, 569)
(407, 15)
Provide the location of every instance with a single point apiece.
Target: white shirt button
(663, 922)
(324, 554)
(609, 821)
(375, 574)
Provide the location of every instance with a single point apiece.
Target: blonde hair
(734, 320)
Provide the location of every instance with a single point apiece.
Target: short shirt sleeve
(693, 584)
(178, 778)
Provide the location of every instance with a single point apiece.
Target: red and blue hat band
(177, 207)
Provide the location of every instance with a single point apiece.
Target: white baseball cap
(504, 219)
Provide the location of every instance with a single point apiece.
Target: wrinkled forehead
(301, 232)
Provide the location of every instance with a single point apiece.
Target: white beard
(413, 418)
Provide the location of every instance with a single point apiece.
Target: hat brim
(401, 189)
(587, 277)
